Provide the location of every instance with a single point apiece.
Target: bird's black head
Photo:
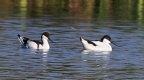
(106, 37)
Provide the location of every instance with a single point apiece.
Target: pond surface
(66, 59)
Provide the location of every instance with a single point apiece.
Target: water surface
(66, 59)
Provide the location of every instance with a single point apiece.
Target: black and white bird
(101, 45)
(34, 44)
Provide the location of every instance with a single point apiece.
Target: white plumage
(33, 44)
(102, 45)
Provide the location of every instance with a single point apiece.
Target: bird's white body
(33, 44)
(103, 45)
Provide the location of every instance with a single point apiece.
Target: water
(66, 60)
(67, 21)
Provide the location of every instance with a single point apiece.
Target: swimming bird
(34, 44)
(101, 45)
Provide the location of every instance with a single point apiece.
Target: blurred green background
(132, 10)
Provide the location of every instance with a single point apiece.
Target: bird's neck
(45, 43)
(106, 41)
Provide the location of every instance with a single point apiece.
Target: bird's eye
(108, 38)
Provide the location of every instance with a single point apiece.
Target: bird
(34, 44)
(98, 45)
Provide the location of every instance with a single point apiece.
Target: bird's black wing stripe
(37, 42)
(90, 42)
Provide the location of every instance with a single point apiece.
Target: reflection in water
(43, 52)
(96, 52)
(96, 55)
(98, 61)
(101, 58)
(44, 59)
(44, 56)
